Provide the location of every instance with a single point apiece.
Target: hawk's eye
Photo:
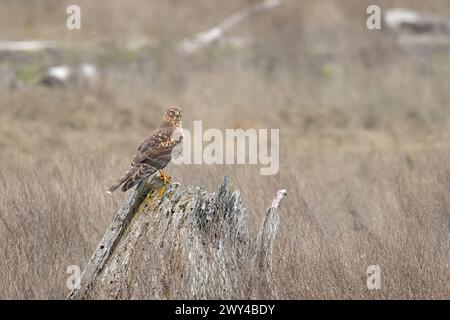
(171, 113)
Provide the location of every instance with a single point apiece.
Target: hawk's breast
(177, 151)
(177, 134)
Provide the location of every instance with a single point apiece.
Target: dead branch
(202, 39)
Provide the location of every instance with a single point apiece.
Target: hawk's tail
(132, 177)
(122, 179)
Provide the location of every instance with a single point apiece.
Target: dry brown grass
(364, 133)
(341, 216)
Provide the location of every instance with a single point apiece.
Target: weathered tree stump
(187, 244)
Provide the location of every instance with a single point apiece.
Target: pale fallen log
(407, 20)
(27, 46)
(186, 244)
(202, 39)
(416, 29)
(83, 74)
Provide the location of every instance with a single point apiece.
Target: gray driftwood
(186, 244)
(202, 39)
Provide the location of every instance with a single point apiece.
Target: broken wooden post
(186, 244)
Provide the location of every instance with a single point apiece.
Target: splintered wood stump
(187, 244)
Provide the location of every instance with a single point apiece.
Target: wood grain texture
(188, 240)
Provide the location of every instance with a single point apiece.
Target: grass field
(364, 133)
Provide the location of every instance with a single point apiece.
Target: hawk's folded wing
(155, 150)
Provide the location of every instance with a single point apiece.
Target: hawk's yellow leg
(166, 180)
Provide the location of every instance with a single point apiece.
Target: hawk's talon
(165, 179)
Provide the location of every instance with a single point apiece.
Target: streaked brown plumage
(155, 152)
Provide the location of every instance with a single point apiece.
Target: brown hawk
(154, 153)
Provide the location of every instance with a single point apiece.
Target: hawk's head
(172, 118)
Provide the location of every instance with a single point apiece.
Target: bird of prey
(154, 153)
